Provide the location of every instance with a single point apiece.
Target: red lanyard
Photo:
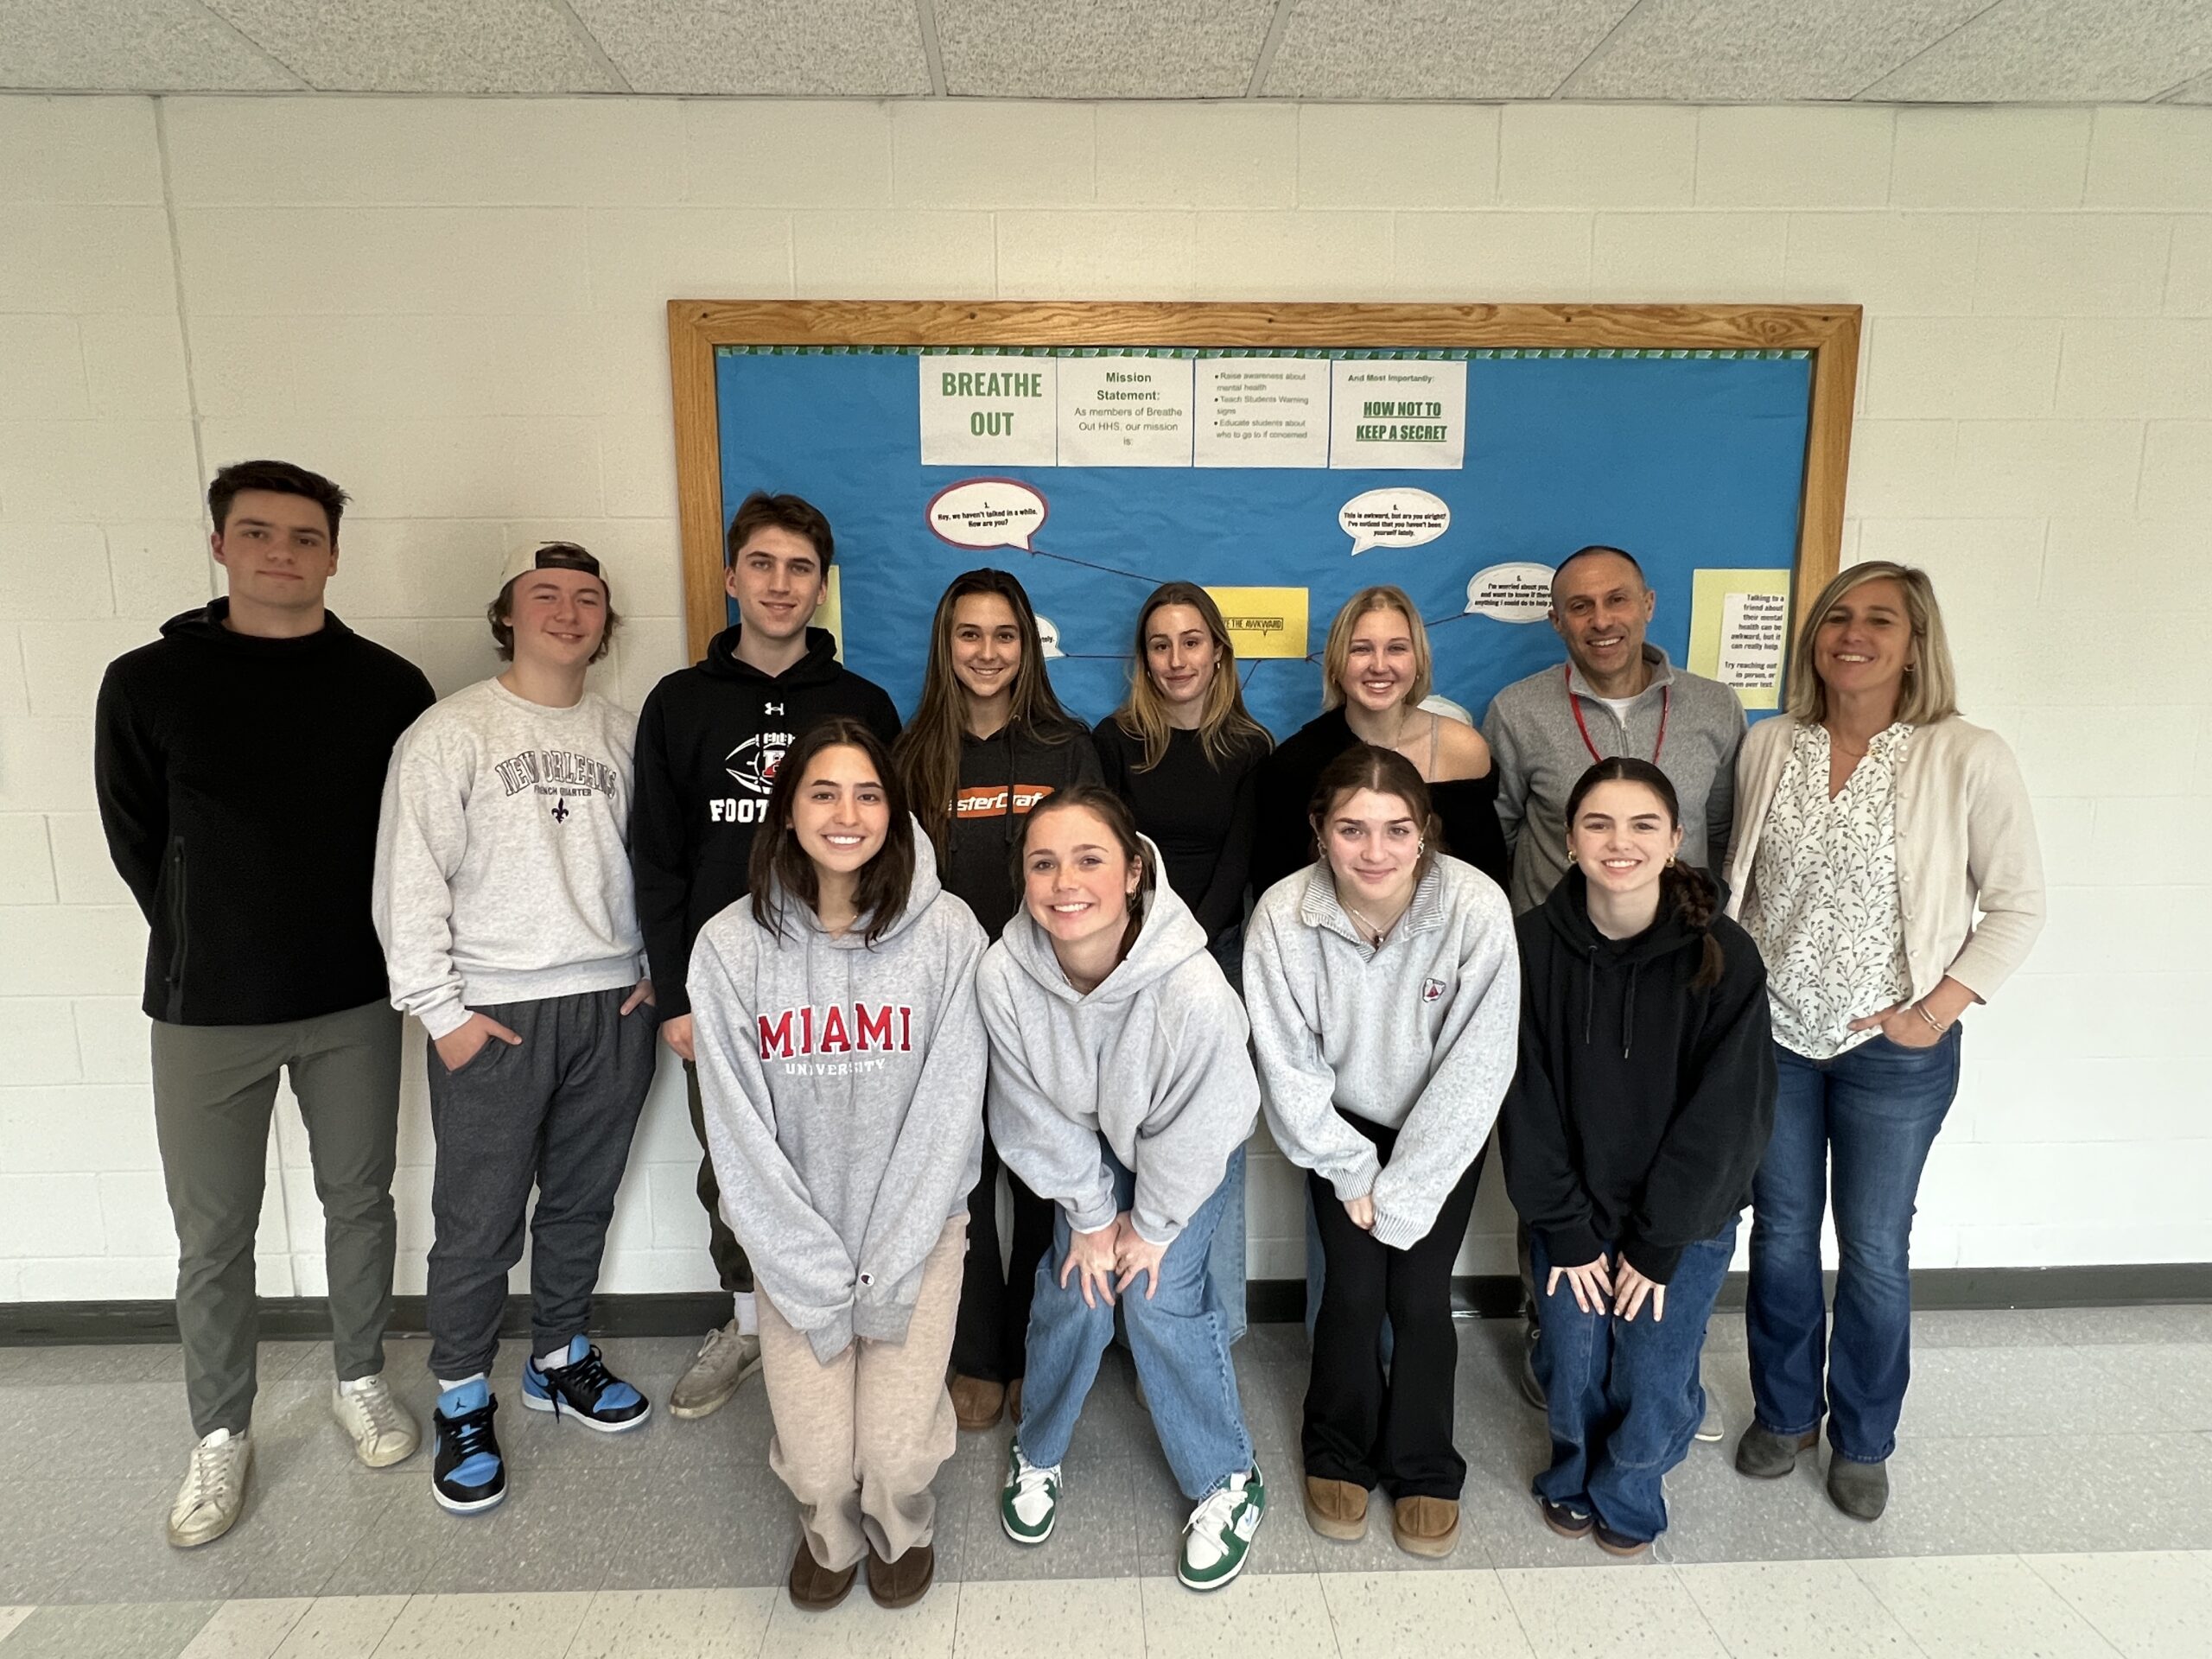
(1666, 698)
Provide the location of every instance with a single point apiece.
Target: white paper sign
(1398, 517)
(1398, 414)
(1754, 628)
(1125, 411)
(1521, 591)
(989, 411)
(1262, 411)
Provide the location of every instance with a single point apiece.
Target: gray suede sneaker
(724, 1360)
(1861, 1490)
(1764, 1455)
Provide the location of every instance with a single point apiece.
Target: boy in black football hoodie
(709, 743)
(1642, 1104)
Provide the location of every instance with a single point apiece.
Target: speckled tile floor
(2053, 1496)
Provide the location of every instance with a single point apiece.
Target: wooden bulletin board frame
(695, 327)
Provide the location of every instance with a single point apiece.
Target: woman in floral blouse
(1871, 825)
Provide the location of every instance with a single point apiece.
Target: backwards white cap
(553, 556)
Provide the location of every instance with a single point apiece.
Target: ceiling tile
(424, 45)
(1436, 48)
(1747, 51)
(1109, 48)
(794, 48)
(136, 46)
(2060, 51)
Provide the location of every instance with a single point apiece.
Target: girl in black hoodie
(988, 742)
(1643, 1102)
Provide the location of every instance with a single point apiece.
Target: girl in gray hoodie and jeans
(842, 1063)
(1384, 989)
(1121, 1090)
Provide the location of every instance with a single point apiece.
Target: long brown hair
(1224, 722)
(1387, 772)
(1122, 823)
(1684, 887)
(928, 751)
(781, 866)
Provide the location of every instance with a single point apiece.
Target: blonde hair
(1222, 722)
(1338, 653)
(1930, 689)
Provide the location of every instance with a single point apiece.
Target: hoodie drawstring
(1628, 1010)
(1589, 992)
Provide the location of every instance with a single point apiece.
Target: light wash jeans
(1179, 1337)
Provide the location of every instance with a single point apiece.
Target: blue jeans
(1864, 1121)
(1179, 1337)
(1623, 1395)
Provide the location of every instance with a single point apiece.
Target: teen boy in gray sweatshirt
(503, 898)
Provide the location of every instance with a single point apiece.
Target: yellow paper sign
(1264, 621)
(1740, 631)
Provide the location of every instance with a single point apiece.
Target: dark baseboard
(1489, 1296)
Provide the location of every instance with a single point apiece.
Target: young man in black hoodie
(238, 760)
(709, 741)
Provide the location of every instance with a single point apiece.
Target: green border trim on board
(1354, 353)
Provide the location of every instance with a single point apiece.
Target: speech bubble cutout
(1048, 637)
(1510, 592)
(986, 512)
(1393, 518)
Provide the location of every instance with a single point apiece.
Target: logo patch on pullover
(991, 802)
(840, 1028)
(1431, 989)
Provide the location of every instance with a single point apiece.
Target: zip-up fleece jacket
(1001, 776)
(843, 1087)
(502, 874)
(1416, 1035)
(238, 780)
(1642, 1107)
(1154, 1059)
(709, 740)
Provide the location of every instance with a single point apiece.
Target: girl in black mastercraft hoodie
(988, 742)
(1642, 1104)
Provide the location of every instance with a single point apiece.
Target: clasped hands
(1596, 1282)
(1116, 1248)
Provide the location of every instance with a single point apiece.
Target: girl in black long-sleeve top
(1642, 1104)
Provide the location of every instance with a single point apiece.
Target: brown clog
(976, 1404)
(814, 1588)
(1425, 1526)
(905, 1581)
(1335, 1509)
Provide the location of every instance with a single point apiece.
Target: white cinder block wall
(455, 309)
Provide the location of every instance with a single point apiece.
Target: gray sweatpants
(557, 1111)
(215, 1087)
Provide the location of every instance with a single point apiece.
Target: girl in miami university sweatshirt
(1643, 1105)
(1384, 990)
(841, 1062)
(1120, 1092)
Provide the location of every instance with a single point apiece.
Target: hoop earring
(1420, 847)
(1671, 861)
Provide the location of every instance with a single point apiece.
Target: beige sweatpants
(859, 1441)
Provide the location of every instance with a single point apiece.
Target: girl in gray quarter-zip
(1384, 988)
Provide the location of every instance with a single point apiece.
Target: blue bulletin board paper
(1690, 460)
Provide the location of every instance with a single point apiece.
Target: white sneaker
(384, 1434)
(724, 1361)
(1218, 1536)
(1029, 1502)
(1711, 1430)
(214, 1493)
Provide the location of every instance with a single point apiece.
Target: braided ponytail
(1696, 901)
